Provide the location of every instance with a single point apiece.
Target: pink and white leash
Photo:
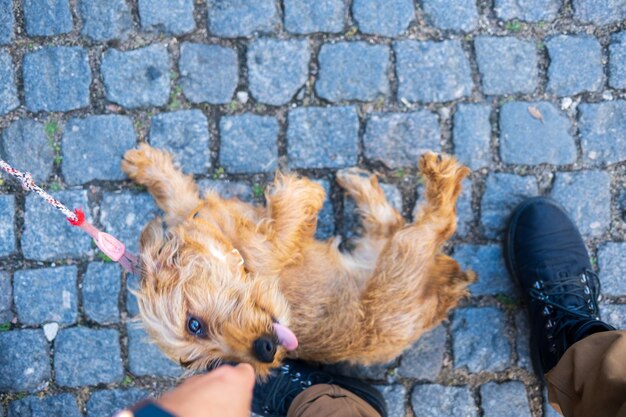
(109, 245)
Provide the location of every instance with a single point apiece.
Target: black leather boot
(546, 255)
(273, 397)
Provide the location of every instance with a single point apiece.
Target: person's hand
(224, 392)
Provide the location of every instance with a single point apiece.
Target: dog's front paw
(136, 162)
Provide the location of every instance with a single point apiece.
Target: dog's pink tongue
(286, 337)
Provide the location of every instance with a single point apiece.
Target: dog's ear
(152, 235)
(151, 242)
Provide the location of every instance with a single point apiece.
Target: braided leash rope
(29, 185)
(109, 245)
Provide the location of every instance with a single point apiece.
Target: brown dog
(224, 280)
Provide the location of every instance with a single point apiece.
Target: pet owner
(582, 359)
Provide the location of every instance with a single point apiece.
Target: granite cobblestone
(507, 65)
(45, 240)
(7, 219)
(575, 64)
(137, 78)
(46, 295)
(617, 60)
(472, 135)
(398, 139)
(322, 138)
(614, 314)
(522, 340)
(394, 396)
(526, 93)
(8, 90)
(325, 219)
(6, 297)
(612, 265)
(25, 361)
(227, 189)
(103, 21)
(303, 17)
(103, 403)
(599, 12)
(534, 133)
(111, 135)
(488, 264)
(439, 400)
(170, 16)
(186, 135)
(603, 132)
(249, 143)
(7, 23)
(56, 78)
(47, 18)
(528, 10)
(432, 71)
(591, 214)
(53, 405)
(383, 17)
(77, 346)
(277, 70)
(456, 15)
(208, 72)
(236, 18)
(124, 214)
(464, 211)
(145, 358)
(508, 398)
(478, 347)
(101, 288)
(503, 192)
(353, 71)
(29, 134)
(424, 360)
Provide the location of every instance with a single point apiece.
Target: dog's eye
(195, 328)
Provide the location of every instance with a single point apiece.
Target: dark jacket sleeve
(149, 408)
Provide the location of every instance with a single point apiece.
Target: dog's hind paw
(442, 174)
(355, 180)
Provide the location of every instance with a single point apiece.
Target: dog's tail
(451, 282)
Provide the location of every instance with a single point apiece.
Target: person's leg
(590, 378)
(324, 400)
(546, 255)
(299, 390)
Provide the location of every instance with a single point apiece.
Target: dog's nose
(265, 349)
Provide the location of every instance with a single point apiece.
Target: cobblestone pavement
(530, 94)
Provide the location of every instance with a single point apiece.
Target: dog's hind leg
(175, 193)
(380, 219)
(414, 285)
(293, 204)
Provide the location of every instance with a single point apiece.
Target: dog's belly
(325, 306)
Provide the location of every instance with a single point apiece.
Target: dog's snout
(265, 349)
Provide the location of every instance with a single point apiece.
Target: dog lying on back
(223, 280)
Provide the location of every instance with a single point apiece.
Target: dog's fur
(239, 268)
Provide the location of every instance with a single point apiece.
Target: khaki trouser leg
(329, 401)
(590, 378)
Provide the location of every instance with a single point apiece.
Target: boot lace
(584, 286)
(287, 385)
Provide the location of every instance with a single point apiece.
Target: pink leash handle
(109, 245)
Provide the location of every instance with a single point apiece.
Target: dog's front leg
(175, 193)
(293, 204)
